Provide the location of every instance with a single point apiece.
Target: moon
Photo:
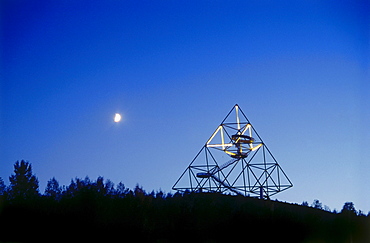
(117, 117)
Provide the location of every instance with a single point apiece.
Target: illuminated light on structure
(250, 167)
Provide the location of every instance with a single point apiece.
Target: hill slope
(201, 217)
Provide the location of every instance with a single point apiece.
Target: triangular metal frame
(249, 166)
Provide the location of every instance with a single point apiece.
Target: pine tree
(53, 189)
(23, 184)
(121, 190)
(2, 187)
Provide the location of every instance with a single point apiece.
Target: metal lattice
(234, 160)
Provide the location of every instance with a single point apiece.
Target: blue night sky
(174, 69)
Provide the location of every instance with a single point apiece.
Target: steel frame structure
(234, 160)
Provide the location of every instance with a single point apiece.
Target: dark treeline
(98, 210)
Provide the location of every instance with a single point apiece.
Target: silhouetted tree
(99, 186)
(317, 204)
(326, 208)
(349, 208)
(159, 194)
(53, 190)
(109, 188)
(2, 187)
(121, 190)
(78, 186)
(139, 191)
(305, 203)
(71, 190)
(23, 184)
(361, 213)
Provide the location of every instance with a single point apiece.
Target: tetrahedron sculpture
(234, 160)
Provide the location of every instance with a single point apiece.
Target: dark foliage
(23, 184)
(89, 210)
